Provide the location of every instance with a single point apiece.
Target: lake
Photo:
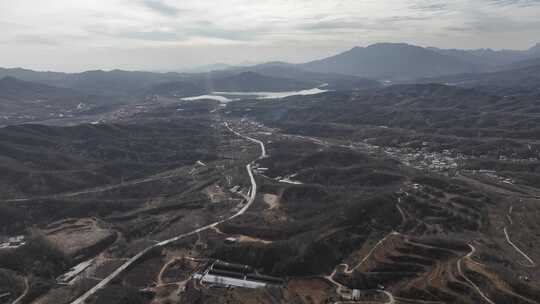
(230, 96)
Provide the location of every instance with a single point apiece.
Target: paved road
(349, 270)
(401, 212)
(531, 262)
(507, 236)
(391, 298)
(21, 297)
(509, 215)
(131, 261)
(473, 285)
(260, 143)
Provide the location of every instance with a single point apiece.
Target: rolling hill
(24, 101)
(524, 79)
(228, 82)
(333, 81)
(113, 83)
(14, 89)
(251, 81)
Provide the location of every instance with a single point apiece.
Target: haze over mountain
(399, 61)
(168, 35)
(115, 82)
(391, 61)
(523, 78)
(208, 68)
(269, 152)
(201, 84)
(114, 180)
(383, 61)
(251, 81)
(24, 101)
(507, 72)
(15, 89)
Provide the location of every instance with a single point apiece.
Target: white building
(227, 281)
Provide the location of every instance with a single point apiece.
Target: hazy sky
(75, 35)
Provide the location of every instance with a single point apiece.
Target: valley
(276, 183)
(385, 223)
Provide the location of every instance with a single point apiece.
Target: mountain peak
(388, 45)
(381, 45)
(390, 61)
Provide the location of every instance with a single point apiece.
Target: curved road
(131, 261)
(473, 285)
(21, 297)
(340, 287)
(531, 262)
(349, 270)
(260, 143)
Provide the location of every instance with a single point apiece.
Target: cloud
(429, 7)
(161, 7)
(150, 36)
(519, 3)
(226, 28)
(333, 24)
(36, 40)
(457, 28)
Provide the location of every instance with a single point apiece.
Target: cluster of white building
(12, 242)
(223, 274)
(426, 160)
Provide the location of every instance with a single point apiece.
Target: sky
(171, 35)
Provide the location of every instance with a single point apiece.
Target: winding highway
(531, 262)
(133, 260)
(402, 213)
(341, 287)
(25, 292)
(473, 285)
(260, 143)
(349, 270)
(509, 241)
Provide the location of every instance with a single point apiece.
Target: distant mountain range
(393, 61)
(14, 89)
(387, 61)
(116, 82)
(356, 69)
(399, 61)
(208, 68)
(523, 79)
(252, 81)
(490, 59)
(23, 101)
(331, 81)
(273, 77)
(227, 82)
